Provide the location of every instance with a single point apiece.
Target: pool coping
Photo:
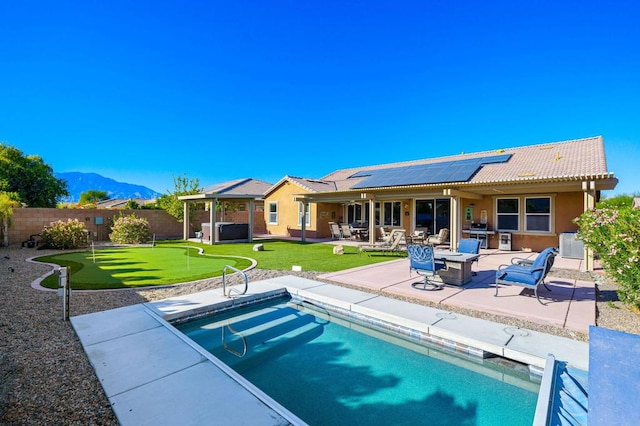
(147, 368)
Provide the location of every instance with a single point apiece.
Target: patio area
(570, 305)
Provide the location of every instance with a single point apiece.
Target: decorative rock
(258, 247)
(338, 250)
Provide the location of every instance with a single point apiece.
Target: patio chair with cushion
(336, 234)
(526, 272)
(422, 261)
(439, 238)
(384, 235)
(416, 237)
(346, 231)
(393, 246)
(471, 246)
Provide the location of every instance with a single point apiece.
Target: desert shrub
(614, 233)
(65, 235)
(129, 230)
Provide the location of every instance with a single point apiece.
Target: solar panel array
(445, 172)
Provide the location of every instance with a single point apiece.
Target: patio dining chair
(422, 261)
(470, 246)
(526, 272)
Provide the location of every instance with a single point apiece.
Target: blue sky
(141, 91)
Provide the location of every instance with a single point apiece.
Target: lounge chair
(526, 272)
(471, 246)
(439, 238)
(393, 246)
(422, 261)
(336, 234)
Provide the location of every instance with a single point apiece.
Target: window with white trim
(391, 213)
(307, 215)
(537, 214)
(508, 214)
(273, 213)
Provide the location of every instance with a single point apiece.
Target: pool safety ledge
(147, 367)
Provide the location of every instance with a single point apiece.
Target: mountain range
(78, 182)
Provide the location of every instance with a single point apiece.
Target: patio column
(454, 235)
(303, 222)
(212, 221)
(589, 196)
(185, 220)
(252, 207)
(372, 216)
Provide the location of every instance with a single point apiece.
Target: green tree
(30, 178)
(617, 201)
(182, 186)
(7, 204)
(93, 196)
(131, 205)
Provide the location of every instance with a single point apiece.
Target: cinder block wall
(30, 221)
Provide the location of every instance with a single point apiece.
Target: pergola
(213, 199)
(242, 190)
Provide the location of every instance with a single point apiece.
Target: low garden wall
(30, 221)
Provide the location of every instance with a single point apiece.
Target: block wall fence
(30, 221)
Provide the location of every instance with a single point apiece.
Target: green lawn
(170, 262)
(282, 255)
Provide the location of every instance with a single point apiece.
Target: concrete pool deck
(147, 369)
(571, 303)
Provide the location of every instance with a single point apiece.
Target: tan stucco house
(531, 193)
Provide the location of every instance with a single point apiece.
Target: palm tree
(7, 204)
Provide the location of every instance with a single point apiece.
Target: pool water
(327, 370)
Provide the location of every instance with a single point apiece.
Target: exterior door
(433, 215)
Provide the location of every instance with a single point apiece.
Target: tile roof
(311, 185)
(247, 186)
(566, 160)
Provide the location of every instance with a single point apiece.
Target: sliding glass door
(432, 214)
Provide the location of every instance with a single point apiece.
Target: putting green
(139, 266)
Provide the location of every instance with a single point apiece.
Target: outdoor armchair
(526, 272)
(439, 238)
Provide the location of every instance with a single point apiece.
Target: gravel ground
(46, 379)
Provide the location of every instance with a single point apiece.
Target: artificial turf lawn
(166, 263)
(138, 266)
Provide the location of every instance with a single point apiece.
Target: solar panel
(444, 172)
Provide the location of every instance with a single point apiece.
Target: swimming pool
(329, 369)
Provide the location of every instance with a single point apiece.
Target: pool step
(570, 397)
(252, 334)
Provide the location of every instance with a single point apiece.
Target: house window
(391, 213)
(273, 213)
(307, 215)
(508, 214)
(538, 214)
